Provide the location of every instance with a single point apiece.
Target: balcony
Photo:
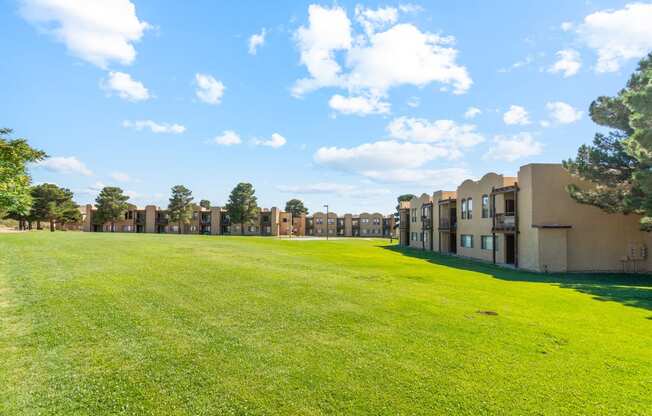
(447, 224)
(505, 222)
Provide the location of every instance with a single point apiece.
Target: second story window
(469, 208)
(464, 208)
(485, 206)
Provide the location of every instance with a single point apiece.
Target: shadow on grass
(629, 289)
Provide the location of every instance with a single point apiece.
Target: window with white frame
(466, 240)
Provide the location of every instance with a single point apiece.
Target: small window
(466, 241)
(487, 242)
(331, 220)
(485, 206)
(464, 209)
(469, 208)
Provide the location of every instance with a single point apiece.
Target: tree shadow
(629, 289)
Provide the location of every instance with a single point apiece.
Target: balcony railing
(505, 222)
(447, 223)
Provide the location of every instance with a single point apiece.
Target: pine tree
(619, 164)
(180, 206)
(111, 205)
(242, 207)
(296, 207)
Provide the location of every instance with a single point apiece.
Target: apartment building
(270, 222)
(528, 221)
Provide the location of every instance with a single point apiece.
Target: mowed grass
(98, 324)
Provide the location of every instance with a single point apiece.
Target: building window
(331, 221)
(469, 208)
(485, 206)
(413, 214)
(376, 221)
(365, 220)
(466, 241)
(319, 221)
(464, 207)
(487, 242)
(285, 220)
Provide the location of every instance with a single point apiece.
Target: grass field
(98, 324)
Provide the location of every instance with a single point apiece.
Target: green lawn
(99, 324)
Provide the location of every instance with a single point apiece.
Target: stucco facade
(530, 222)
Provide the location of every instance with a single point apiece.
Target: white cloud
(126, 87)
(413, 102)
(378, 156)
(568, 63)
(227, 138)
(516, 115)
(67, 165)
(97, 31)
(567, 26)
(358, 105)
(376, 60)
(518, 64)
(372, 20)
(410, 8)
(513, 148)
(120, 177)
(351, 191)
(256, 40)
(563, 113)
(275, 141)
(209, 90)
(472, 112)
(445, 178)
(618, 35)
(154, 126)
(444, 132)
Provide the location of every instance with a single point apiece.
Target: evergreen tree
(111, 205)
(15, 198)
(296, 207)
(180, 206)
(619, 164)
(52, 204)
(242, 207)
(205, 203)
(401, 198)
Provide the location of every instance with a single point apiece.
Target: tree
(180, 206)
(296, 207)
(401, 198)
(52, 204)
(14, 179)
(111, 205)
(242, 207)
(205, 203)
(619, 164)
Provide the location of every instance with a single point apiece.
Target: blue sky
(149, 94)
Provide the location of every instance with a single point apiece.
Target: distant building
(528, 221)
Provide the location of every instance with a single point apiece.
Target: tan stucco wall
(415, 220)
(436, 197)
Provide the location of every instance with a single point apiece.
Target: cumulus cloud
(516, 115)
(97, 31)
(384, 56)
(332, 188)
(413, 102)
(256, 40)
(563, 113)
(618, 35)
(126, 87)
(567, 26)
(227, 138)
(472, 112)
(275, 141)
(568, 62)
(512, 148)
(358, 105)
(66, 165)
(209, 90)
(446, 133)
(445, 178)
(154, 127)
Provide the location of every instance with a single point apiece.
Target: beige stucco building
(528, 221)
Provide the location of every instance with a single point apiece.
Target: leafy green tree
(205, 203)
(242, 207)
(619, 164)
(296, 207)
(111, 205)
(52, 204)
(401, 198)
(69, 213)
(180, 207)
(14, 179)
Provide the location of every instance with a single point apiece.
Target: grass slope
(98, 324)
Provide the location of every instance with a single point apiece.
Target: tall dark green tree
(15, 181)
(53, 204)
(401, 198)
(180, 206)
(111, 205)
(242, 207)
(296, 207)
(619, 164)
(205, 203)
